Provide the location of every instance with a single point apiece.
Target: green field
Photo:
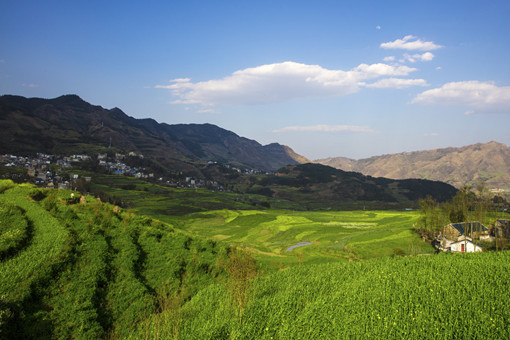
(336, 235)
(461, 296)
(339, 235)
(74, 267)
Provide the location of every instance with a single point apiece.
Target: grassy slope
(91, 270)
(445, 296)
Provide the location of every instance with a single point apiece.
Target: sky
(328, 78)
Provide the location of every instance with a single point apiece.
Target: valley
(177, 232)
(255, 170)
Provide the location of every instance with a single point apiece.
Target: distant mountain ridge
(68, 124)
(316, 186)
(488, 162)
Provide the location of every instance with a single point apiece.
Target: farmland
(408, 298)
(74, 267)
(334, 236)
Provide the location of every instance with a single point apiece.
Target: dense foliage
(315, 186)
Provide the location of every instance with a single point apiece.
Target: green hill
(315, 186)
(85, 269)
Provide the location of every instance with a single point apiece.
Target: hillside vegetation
(79, 268)
(444, 296)
(74, 267)
(315, 186)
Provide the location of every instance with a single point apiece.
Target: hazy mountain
(489, 162)
(69, 125)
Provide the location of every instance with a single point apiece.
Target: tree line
(470, 204)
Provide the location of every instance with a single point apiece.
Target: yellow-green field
(341, 235)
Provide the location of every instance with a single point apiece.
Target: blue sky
(328, 78)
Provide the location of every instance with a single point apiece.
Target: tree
(432, 216)
(461, 205)
(482, 204)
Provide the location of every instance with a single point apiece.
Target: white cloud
(431, 134)
(206, 111)
(181, 80)
(410, 42)
(378, 27)
(32, 85)
(397, 83)
(427, 56)
(326, 128)
(279, 82)
(390, 58)
(475, 94)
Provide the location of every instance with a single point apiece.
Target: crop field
(334, 235)
(161, 201)
(330, 236)
(74, 267)
(448, 296)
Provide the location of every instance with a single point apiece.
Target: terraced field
(73, 267)
(339, 235)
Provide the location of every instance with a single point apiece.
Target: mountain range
(69, 125)
(468, 165)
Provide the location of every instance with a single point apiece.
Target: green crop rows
(432, 297)
(90, 270)
(339, 235)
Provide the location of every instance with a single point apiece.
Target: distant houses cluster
(41, 167)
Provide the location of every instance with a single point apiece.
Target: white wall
(470, 247)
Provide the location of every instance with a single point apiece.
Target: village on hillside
(52, 171)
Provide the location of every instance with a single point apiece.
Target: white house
(465, 246)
